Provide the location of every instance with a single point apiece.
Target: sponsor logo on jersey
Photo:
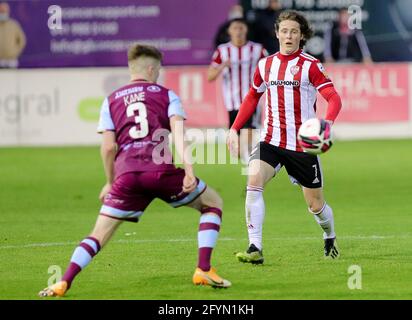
(110, 198)
(280, 83)
(125, 92)
(294, 70)
(153, 89)
(118, 201)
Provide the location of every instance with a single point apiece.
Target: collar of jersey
(140, 80)
(284, 57)
(247, 42)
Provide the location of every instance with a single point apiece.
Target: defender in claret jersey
(135, 121)
(291, 79)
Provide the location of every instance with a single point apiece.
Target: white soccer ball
(315, 136)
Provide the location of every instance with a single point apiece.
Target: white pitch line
(137, 241)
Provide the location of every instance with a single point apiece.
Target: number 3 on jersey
(141, 119)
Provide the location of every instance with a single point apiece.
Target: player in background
(236, 60)
(291, 79)
(139, 168)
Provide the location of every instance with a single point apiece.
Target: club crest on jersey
(153, 89)
(294, 70)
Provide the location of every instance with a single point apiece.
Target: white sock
(255, 214)
(325, 219)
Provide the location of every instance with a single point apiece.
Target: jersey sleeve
(258, 84)
(216, 58)
(263, 53)
(318, 76)
(105, 121)
(175, 106)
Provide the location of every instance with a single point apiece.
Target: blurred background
(59, 59)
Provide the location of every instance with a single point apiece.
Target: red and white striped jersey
(291, 82)
(237, 79)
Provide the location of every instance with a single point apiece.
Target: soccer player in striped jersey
(135, 121)
(291, 79)
(236, 60)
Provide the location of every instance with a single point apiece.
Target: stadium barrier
(61, 106)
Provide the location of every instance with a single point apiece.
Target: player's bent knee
(254, 182)
(316, 207)
(258, 180)
(210, 198)
(216, 202)
(314, 199)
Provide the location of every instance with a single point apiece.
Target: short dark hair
(293, 15)
(240, 20)
(139, 50)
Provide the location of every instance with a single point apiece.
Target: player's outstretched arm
(108, 150)
(320, 80)
(178, 133)
(334, 103)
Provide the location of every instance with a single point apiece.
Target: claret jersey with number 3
(139, 115)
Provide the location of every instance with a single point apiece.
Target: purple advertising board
(80, 33)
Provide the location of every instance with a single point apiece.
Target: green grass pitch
(49, 202)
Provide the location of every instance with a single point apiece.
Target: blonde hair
(137, 50)
(140, 56)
